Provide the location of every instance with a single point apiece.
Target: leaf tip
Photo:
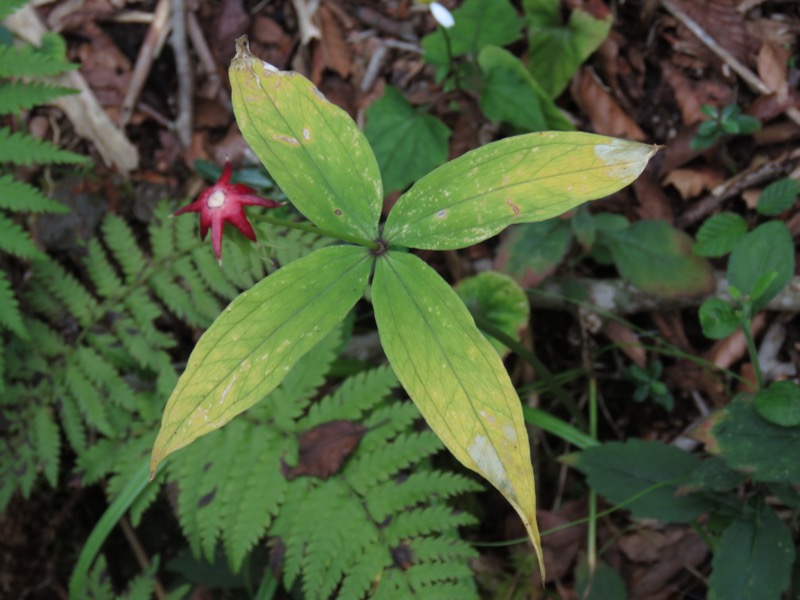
(625, 159)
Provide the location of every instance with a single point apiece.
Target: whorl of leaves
(372, 521)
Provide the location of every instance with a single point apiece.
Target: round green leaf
(718, 235)
(780, 403)
(778, 197)
(766, 249)
(532, 251)
(718, 319)
(499, 299)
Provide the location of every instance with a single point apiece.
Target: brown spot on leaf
(324, 448)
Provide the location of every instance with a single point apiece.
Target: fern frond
(425, 520)
(176, 299)
(249, 507)
(363, 574)
(392, 497)
(15, 240)
(206, 303)
(47, 442)
(10, 315)
(132, 453)
(66, 288)
(188, 470)
(48, 342)
(211, 273)
(101, 271)
(141, 587)
(135, 344)
(355, 396)
(121, 241)
(105, 377)
(72, 423)
(28, 61)
(98, 584)
(441, 548)
(21, 197)
(370, 468)
(16, 96)
(22, 149)
(87, 398)
(144, 312)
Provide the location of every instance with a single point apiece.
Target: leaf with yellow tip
(521, 179)
(311, 148)
(254, 343)
(455, 377)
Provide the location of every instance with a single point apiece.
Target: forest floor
(648, 81)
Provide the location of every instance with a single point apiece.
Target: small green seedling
(649, 385)
(324, 164)
(721, 123)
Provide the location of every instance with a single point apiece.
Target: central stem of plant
(344, 237)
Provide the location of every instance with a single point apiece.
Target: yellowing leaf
(254, 343)
(455, 378)
(311, 148)
(516, 180)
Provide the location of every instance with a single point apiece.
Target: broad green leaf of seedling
(326, 168)
(556, 49)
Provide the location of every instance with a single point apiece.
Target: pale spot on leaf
(487, 460)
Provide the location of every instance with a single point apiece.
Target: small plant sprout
(222, 203)
(327, 169)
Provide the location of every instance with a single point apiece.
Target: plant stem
(344, 237)
(529, 357)
(591, 533)
(747, 330)
(452, 68)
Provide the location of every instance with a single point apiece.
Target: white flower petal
(443, 16)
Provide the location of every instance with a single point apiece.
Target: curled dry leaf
(605, 114)
(324, 448)
(691, 182)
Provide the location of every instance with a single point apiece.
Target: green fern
(339, 535)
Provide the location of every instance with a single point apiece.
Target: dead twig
(151, 48)
(183, 68)
(305, 11)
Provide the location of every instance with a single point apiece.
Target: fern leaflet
(28, 61)
(16, 96)
(21, 197)
(14, 240)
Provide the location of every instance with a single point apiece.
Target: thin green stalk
(747, 330)
(450, 61)
(591, 533)
(529, 357)
(345, 237)
(132, 490)
(577, 522)
(558, 427)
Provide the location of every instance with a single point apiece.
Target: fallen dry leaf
(324, 448)
(653, 202)
(627, 340)
(691, 94)
(772, 68)
(605, 114)
(691, 182)
(335, 50)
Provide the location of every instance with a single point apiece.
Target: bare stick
(153, 42)
(183, 122)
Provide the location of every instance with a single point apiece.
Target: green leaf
(16, 96)
(311, 148)
(21, 197)
(556, 51)
(604, 584)
(753, 559)
(718, 319)
(15, 240)
(608, 223)
(658, 259)
(408, 143)
(28, 61)
(768, 248)
(455, 378)
(10, 315)
(619, 471)
(780, 403)
(511, 95)
(254, 343)
(48, 443)
(750, 443)
(531, 252)
(479, 23)
(500, 300)
(9, 7)
(719, 234)
(20, 148)
(516, 180)
(778, 197)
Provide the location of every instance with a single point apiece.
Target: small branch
(753, 80)
(141, 555)
(620, 297)
(203, 53)
(183, 67)
(305, 11)
(151, 47)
